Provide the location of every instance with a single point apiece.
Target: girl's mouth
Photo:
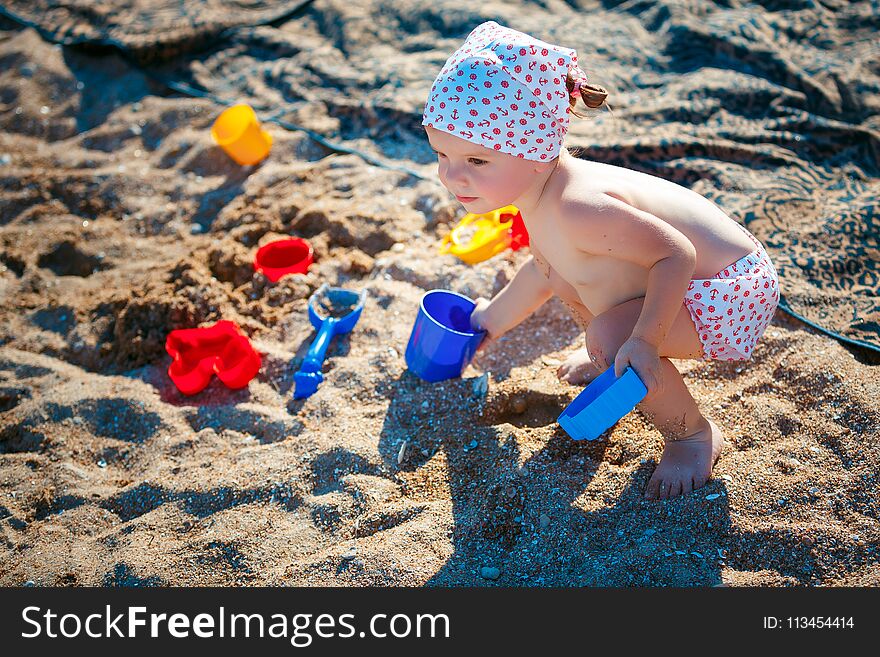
(466, 199)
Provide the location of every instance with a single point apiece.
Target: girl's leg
(578, 368)
(693, 443)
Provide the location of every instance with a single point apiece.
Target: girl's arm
(527, 292)
(606, 225)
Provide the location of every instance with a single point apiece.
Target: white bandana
(504, 90)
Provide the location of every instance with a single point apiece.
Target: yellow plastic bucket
(237, 131)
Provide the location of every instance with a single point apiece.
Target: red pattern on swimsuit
(732, 309)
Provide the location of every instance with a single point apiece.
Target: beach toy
(200, 353)
(333, 311)
(442, 343)
(519, 236)
(281, 257)
(478, 237)
(602, 403)
(238, 132)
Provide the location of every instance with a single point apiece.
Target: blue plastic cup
(602, 403)
(442, 343)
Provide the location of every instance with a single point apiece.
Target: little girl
(652, 270)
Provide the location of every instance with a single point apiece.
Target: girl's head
(510, 93)
(482, 179)
(497, 114)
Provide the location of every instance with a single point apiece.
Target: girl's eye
(473, 160)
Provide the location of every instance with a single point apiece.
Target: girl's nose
(454, 176)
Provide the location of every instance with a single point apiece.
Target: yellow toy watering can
(478, 237)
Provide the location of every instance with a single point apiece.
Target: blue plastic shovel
(602, 403)
(333, 311)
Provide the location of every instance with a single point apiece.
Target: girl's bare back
(599, 282)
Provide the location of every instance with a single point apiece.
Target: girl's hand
(642, 356)
(478, 323)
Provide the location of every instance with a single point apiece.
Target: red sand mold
(282, 257)
(199, 353)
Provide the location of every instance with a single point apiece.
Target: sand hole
(527, 408)
(66, 260)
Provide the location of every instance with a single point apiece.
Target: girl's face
(481, 179)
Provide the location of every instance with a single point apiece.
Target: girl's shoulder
(585, 196)
(588, 182)
(596, 184)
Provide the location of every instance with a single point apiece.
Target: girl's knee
(602, 345)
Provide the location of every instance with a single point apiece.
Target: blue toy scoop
(333, 311)
(602, 403)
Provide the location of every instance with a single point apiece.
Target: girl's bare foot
(578, 369)
(686, 463)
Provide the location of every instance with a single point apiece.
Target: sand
(121, 221)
